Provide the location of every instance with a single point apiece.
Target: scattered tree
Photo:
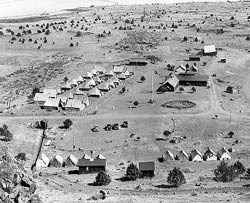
(67, 123)
(176, 177)
(102, 178)
(136, 103)
(65, 79)
(132, 173)
(5, 134)
(143, 78)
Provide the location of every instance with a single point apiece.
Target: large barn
(192, 79)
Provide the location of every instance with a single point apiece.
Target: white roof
(85, 101)
(122, 76)
(50, 92)
(74, 103)
(103, 86)
(127, 73)
(40, 97)
(118, 69)
(183, 154)
(209, 49)
(78, 92)
(100, 156)
(194, 153)
(99, 68)
(115, 79)
(170, 154)
(110, 83)
(91, 82)
(73, 82)
(79, 79)
(66, 85)
(73, 159)
(88, 75)
(52, 102)
(93, 72)
(222, 151)
(109, 73)
(58, 158)
(95, 92)
(43, 161)
(85, 86)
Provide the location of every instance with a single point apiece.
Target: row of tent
(58, 161)
(195, 155)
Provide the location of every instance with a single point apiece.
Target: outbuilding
(195, 155)
(193, 79)
(71, 161)
(147, 169)
(209, 50)
(223, 154)
(194, 58)
(170, 85)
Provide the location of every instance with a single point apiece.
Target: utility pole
(230, 116)
(152, 88)
(74, 142)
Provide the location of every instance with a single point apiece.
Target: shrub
(67, 123)
(136, 103)
(185, 38)
(226, 173)
(132, 173)
(71, 45)
(47, 32)
(1, 32)
(181, 89)
(239, 168)
(34, 91)
(102, 178)
(5, 133)
(65, 79)
(248, 38)
(176, 177)
(143, 78)
(78, 34)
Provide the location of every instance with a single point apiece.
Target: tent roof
(172, 80)
(73, 82)
(86, 156)
(51, 92)
(209, 152)
(78, 92)
(100, 156)
(91, 82)
(170, 154)
(183, 154)
(58, 158)
(118, 68)
(74, 103)
(103, 86)
(209, 49)
(88, 75)
(66, 85)
(110, 72)
(122, 76)
(79, 78)
(73, 159)
(99, 68)
(93, 72)
(95, 91)
(195, 152)
(45, 159)
(223, 150)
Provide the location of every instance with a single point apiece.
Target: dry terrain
(155, 30)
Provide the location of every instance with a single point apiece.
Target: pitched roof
(194, 153)
(91, 82)
(118, 68)
(182, 154)
(169, 155)
(73, 159)
(74, 103)
(99, 68)
(87, 75)
(103, 86)
(79, 79)
(95, 92)
(122, 76)
(209, 153)
(59, 158)
(209, 49)
(180, 69)
(86, 156)
(147, 166)
(222, 151)
(109, 73)
(192, 77)
(73, 82)
(63, 98)
(78, 92)
(52, 102)
(41, 97)
(172, 80)
(100, 156)
(66, 86)
(93, 72)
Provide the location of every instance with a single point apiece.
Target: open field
(155, 30)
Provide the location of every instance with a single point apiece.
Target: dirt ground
(24, 66)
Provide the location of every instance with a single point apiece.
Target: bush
(102, 178)
(78, 34)
(67, 123)
(65, 79)
(5, 133)
(47, 32)
(248, 38)
(71, 45)
(132, 173)
(176, 177)
(143, 78)
(185, 39)
(34, 91)
(136, 103)
(226, 173)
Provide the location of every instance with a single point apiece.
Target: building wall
(147, 174)
(194, 83)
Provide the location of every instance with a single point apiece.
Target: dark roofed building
(147, 169)
(137, 62)
(88, 165)
(170, 85)
(192, 79)
(194, 58)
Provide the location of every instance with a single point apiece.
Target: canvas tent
(195, 155)
(223, 154)
(85, 101)
(109, 73)
(118, 69)
(100, 69)
(194, 68)
(93, 72)
(91, 82)
(57, 161)
(71, 161)
(43, 161)
(169, 155)
(209, 155)
(88, 75)
(103, 87)
(126, 73)
(94, 93)
(85, 87)
(78, 92)
(79, 79)
(110, 84)
(122, 76)
(73, 83)
(182, 156)
(66, 86)
(115, 80)
(180, 69)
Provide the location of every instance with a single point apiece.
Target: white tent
(79, 79)
(209, 49)
(94, 93)
(110, 84)
(103, 87)
(195, 155)
(100, 156)
(126, 73)
(51, 103)
(118, 69)
(209, 155)
(109, 73)
(85, 156)
(169, 155)
(88, 75)
(93, 72)
(115, 80)
(85, 87)
(85, 101)
(182, 156)
(78, 92)
(66, 86)
(71, 161)
(41, 98)
(43, 161)
(224, 154)
(91, 82)
(73, 83)
(99, 69)
(122, 76)
(57, 161)
(180, 69)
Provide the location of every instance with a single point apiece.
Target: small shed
(88, 165)
(118, 69)
(109, 73)
(40, 98)
(147, 169)
(194, 58)
(103, 87)
(57, 161)
(122, 76)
